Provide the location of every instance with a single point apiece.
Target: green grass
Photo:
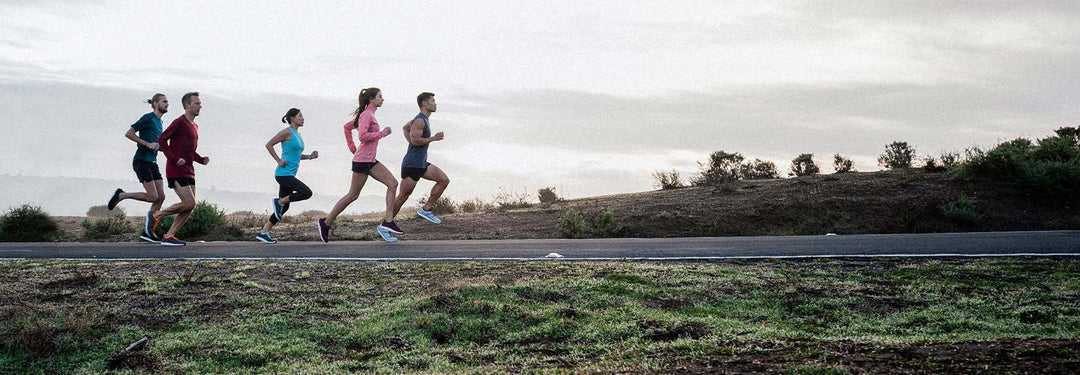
(273, 316)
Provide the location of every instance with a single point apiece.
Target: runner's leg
(358, 180)
(433, 173)
(405, 190)
(186, 207)
(383, 175)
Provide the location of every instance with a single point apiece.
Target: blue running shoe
(265, 237)
(428, 215)
(385, 233)
(278, 208)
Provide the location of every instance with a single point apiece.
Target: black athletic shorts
(414, 173)
(182, 181)
(364, 168)
(146, 171)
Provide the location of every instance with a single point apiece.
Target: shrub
(103, 211)
(588, 224)
(27, 223)
(961, 210)
(668, 180)
(506, 200)
(1051, 164)
(804, 166)
(759, 170)
(930, 164)
(206, 219)
(443, 205)
(842, 164)
(897, 155)
(548, 196)
(476, 205)
(107, 227)
(722, 167)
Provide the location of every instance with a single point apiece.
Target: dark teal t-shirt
(149, 129)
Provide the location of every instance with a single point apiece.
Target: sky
(589, 98)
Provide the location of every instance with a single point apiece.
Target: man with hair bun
(148, 128)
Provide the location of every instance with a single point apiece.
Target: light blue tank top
(290, 152)
(416, 157)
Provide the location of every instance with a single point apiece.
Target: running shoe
(385, 233)
(151, 238)
(392, 227)
(265, 237)
(324, 230)
(278, 208)
(150, 225)
(115, 198)
(430, 216)
(172, 241)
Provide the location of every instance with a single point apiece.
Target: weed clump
(475, 205)
(668, 180)
(548, 195)
(842, 164)
(103, 211)
(106, 228)
(804, 166)
(961, 210)
(205, 221)
(589, 224)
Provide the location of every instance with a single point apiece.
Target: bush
(444, 205)
(103, 211)
(842, 164)
(722, 167)
(476, 205)
(668, 180)
(961, 211)
(1051, 164)
(804, 166)
(206, 219)
(548, 196)
(759, 170)
(27, 223)
(588, 224)
(897, 155)
(506, 200)
(107, 228)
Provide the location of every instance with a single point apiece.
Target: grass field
(1006, 315)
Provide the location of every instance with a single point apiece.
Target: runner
(145, 162)
(365, 164)
(415, 165)
(290, 189)
(179, 142)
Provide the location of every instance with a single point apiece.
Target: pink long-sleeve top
(370, 134)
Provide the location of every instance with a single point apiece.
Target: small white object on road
(553, 255)
(830, 234)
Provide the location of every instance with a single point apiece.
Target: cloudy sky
(588, 98)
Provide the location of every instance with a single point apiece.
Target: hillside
(855, 203)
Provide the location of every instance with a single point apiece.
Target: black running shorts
(414, 173)
(146, 171)
(182, 181)
(364, 168)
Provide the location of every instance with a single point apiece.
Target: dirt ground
(853, 203)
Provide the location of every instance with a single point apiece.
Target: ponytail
(366, 95)
(287, 119)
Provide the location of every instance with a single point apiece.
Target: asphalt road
(1051, 243)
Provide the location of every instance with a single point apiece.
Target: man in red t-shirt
(178, 143)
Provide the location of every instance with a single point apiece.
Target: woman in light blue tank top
(290, 189)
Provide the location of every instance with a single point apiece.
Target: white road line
(466, 259)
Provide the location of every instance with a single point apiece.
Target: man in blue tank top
(415, 165)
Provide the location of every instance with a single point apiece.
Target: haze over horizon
(588, 98)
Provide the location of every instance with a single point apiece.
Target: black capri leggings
(290, 186)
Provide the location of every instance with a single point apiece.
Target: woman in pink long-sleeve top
(364, 165)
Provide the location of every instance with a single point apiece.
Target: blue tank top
(290, 152)
(416, 156)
